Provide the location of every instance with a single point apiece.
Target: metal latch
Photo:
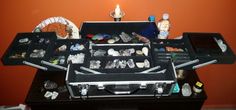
(83, 89)
(160, 88)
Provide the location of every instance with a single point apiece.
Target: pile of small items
(115, 53)
(76, 58)
(121, 38)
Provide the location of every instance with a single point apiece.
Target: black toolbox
(118, 59)
(123, 68)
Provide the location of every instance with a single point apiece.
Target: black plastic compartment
(204, 47)
(146, 29)
(56, 55)
(14, 53)
(162, 53)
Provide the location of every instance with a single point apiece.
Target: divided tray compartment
(104, 60)
(34, 50)
(144, 28)
(28, 42)
(204, 47)
(60, 58)
(176, 50)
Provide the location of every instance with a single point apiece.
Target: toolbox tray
(144, 28)
(18, 53)
(54, 54)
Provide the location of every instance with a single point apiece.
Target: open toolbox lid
(209, 47)
(29, 48)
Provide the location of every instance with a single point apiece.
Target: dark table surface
(36, 99)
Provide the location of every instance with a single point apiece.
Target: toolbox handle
(121, 92)
(122, 89)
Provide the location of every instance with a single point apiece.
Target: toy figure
(164, 26)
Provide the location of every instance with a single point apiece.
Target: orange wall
(185, 15)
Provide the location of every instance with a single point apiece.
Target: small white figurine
(164, 26)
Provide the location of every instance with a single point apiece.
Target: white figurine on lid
(164, 26)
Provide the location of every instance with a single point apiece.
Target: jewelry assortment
(77, 47)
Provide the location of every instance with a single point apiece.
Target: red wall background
(185, 15)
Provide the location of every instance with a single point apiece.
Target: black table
(36, 100)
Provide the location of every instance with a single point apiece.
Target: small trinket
(186, 90)
(161, 50)
(41, 40)
(109, 65)
(145, 51)
(48, 95)
(221, 44)
(76, 59)
(125, 37)
(54, 61)
(139, 53)
(98, 37)
(130, 63)
(38, 53)
(173, 49)
(141, 38)
(99, 52)
(76, 47)
(116, 38)
(61, 60)
(198, 87)
(62, 48)
(48, 85)
(90, 36)
(146, 63)
(54, 95)
(122, 63)
(113, 64)
(57, 60)
(111, 41)
(140, 64)
(164, 26)
(95, 64)
(112, 52)
(24, 40)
